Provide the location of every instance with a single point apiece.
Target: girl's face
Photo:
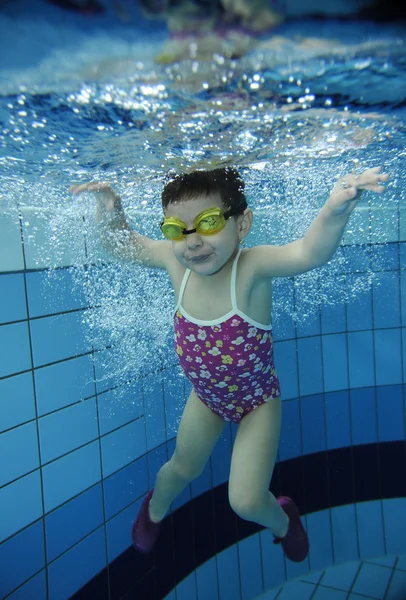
(207, 254)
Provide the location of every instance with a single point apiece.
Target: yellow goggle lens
(209, 222)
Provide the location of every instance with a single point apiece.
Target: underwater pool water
(81, 103)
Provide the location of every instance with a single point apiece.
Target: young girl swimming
(223, 336)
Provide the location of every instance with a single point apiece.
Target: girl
(223, 335)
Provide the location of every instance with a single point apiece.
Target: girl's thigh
(199, 431)
(255, 448)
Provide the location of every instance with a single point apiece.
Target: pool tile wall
(73, 476)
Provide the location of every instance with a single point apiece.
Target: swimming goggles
(208, 222)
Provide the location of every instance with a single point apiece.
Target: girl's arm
(323, 236)
(116, 235)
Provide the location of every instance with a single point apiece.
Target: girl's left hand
(347, 191)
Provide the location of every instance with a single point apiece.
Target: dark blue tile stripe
(206, 525)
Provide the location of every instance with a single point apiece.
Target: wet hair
(226, 182)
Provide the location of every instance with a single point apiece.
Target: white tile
(52, 239)
(11, 252)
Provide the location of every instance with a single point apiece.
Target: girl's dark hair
(226, 182)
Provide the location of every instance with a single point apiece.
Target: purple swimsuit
(229, 361)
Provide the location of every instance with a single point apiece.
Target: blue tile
(227, 563)
(62, 384)
(118, 530)
(68, 429)
(282, 322)
(68, 524)
(54, 291)
(156, 459)
(372, 581)
(250, 567)
(363, 416)
(370, 539)
(154, 413)
(359, 303)
(17, 405)
(313, 577)
(335, 362)
(221, 459)
(273, 561)
(333, 318)
(107, 373)
(390, 413)
(125, 486)
(310, 367)
(290, 440)
(384, 561)
(20, 445)
(60, 337)
(287, 368)
(123, 446)
(15, 511)
(321, 541)
(357, 257)
(206, 578)
(394, 517)
(313, 424)
(120, 406)
(385, 257)
(187, 589)
(299, 590)
(345, 541)
(361, 359)
(397, 586)
(15, 345)
(21, 557)
(309, 322)
(72, 570)
(34, 588)
(341, 577)
(386, 300)
(338, 420)
(388, 356)
(174, 400)
(70, 475)
(400, 563)
(403, 297)
(324, 593)
(13, 303)
(297, 570)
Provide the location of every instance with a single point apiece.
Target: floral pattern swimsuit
(229, 361)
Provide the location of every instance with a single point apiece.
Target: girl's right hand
(106, 197)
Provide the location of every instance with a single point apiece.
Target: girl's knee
(246, 503)
(185, 468)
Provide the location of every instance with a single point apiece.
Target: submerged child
(223, 336)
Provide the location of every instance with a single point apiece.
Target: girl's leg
(252, 464)
(199, 430)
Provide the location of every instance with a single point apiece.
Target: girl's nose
(193, 240)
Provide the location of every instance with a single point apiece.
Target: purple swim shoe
(144, 531)
(295, 543)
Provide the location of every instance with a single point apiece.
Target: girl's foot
(144, 531)
(295, 543)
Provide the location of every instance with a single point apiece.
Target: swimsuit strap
(182, 288)
(233, 291)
